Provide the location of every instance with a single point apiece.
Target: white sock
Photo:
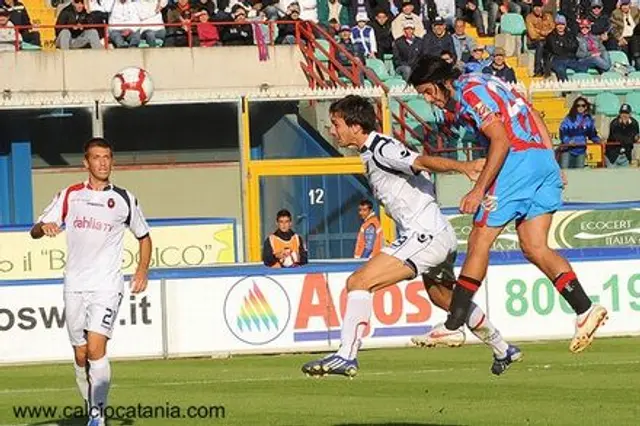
(82, 381)
(356, 319)
(482, 328)
(100, 379)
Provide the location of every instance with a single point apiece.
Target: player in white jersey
(427, 243)
(95, 214)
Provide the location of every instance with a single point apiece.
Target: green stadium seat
(27, 46)
(617, 56)
(633, 99)
(512, 23)
(607, 103)
(319, 54)
(377, 66)
(423, 109)
(613, 75)
(634, 74)
(395, 82)
(584, 77)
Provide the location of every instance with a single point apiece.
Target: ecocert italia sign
(570, 229)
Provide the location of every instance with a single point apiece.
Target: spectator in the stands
(284, 248)
(623, 133)
(124, 23)
(446, 9)
(207, 5)
(561, 47)
(19, 16)
(76, 37)
(355, 7)
(364, 35)
(469, 11)
(499, 67)
(539, 26)
(477, 62)
(591, 52)
(8, 36)
(624, 21)
(438, 39)
(178, 36)
(573, 10)
(382, 28)
(495, 10)
(601, 25)
(575, 130)
(151, 13)
(406, 51)
(333, 28)
(407, 14)
(461, 41)
(240, 34)
(208, 34)
(354, 49)
(287, 31)
(335, 11)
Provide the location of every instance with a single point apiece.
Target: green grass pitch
(407, 386)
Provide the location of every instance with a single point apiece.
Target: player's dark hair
(283, 213)
(433, 69)
(355, 110)
(99, 142)
(367, 203)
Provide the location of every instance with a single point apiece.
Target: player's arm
(140, 229)
(442, 165)
(542, 128)
(50, 222)
(498, 150)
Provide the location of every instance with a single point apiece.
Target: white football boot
(586, 328)
(440, 336)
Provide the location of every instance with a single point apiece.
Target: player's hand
(473, 169)
(471, 202)
(51, 229)
(138, 282)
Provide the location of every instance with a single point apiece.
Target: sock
(100, 380)
(570, 288)
(463, 292)
(82, 381)
(356, 319)
(484, 330)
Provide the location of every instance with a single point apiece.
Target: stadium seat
(27, 46)
(377, 66)
(581, 76)
(607, 103)
(423, 109)
(612, 75)
(512, 23)
(318, 53)
(634, 74)
(618, 56)
(395, 82)
(633, 99)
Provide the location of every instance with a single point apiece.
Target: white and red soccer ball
(132, 87)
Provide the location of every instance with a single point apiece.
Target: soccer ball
(132, 87)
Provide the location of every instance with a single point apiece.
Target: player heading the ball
(521, 181)
(426, 246)
(95, 214)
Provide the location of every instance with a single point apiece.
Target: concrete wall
(588, 185)
(171, 68)
(202, 191)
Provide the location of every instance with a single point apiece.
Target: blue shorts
(528, 185)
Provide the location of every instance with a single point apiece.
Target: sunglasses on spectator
(581, 105)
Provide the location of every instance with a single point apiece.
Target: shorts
(528, 185)
(426, 253)
(90, 311)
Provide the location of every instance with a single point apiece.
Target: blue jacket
(578, 131)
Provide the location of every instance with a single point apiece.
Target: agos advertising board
(297, 311)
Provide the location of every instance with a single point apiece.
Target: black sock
(463, 293)
(570, 288)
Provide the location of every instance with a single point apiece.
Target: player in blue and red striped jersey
(521, 180)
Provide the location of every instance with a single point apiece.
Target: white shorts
(90, 311)
(432, 255)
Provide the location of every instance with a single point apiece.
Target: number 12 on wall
(316, 196)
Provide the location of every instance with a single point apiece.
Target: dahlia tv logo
(257, 310)
(599, 228)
